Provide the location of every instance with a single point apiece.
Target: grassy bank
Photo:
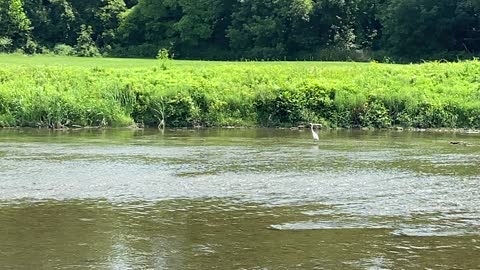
(62, 91)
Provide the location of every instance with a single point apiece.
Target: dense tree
(15, 27)
(418, 27)
(151, 22)
(60, 21)
(263, 29)
(107, 18)
(54, 21)
(85, 44)
(256, 29)
(467, 26)
(182, 26)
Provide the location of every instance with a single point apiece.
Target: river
(238, 199)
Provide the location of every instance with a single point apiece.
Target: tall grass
(49, 92)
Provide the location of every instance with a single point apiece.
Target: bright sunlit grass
(59, 91)
(52, 60)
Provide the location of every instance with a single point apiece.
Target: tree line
(400, 30)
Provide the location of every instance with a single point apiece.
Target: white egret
(314, 134)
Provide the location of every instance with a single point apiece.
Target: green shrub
(6, 44)
(85, 44)
(63, 50)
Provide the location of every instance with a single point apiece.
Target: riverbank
(59, 92)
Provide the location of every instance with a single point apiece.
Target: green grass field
(52, 60)
(53, 91)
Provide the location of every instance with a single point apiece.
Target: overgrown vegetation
(39, 91)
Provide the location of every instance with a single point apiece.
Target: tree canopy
(407, 30)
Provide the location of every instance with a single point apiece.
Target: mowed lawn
(51, 60)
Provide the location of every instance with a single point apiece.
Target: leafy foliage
(14, 24)
(358, 30)
(85, 44)
(63, 49)
(115, 92)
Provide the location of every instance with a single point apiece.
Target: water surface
(238, 199)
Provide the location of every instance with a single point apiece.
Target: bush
(31, 46)
(63, 50)
(6, 44)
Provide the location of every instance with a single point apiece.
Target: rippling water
(238, 199)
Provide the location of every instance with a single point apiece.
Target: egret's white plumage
(314, 134)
